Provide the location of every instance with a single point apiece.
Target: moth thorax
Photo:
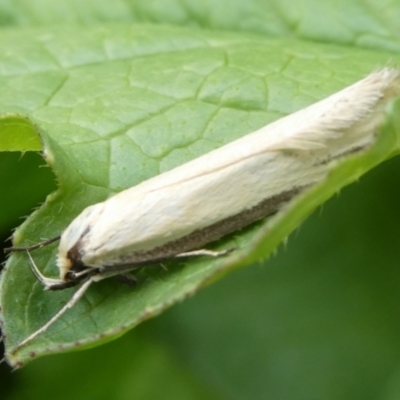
(64, 264)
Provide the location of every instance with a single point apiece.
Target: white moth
(180, 211)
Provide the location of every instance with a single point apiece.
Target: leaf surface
(114, 106)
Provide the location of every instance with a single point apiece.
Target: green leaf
(356, 23)
(117, 105)
(17, 134)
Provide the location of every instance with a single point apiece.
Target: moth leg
(54, 283)
(71, 303)
(33, 247)
(204, 252)
(48, 283)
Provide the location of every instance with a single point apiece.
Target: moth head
(69, 259)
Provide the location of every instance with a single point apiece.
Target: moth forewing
(289, 153)
(179, 212)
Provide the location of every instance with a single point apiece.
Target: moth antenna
(71, 303)
(33, 247)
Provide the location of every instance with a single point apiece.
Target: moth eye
(70, 276)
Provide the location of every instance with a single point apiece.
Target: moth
(179, 212)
